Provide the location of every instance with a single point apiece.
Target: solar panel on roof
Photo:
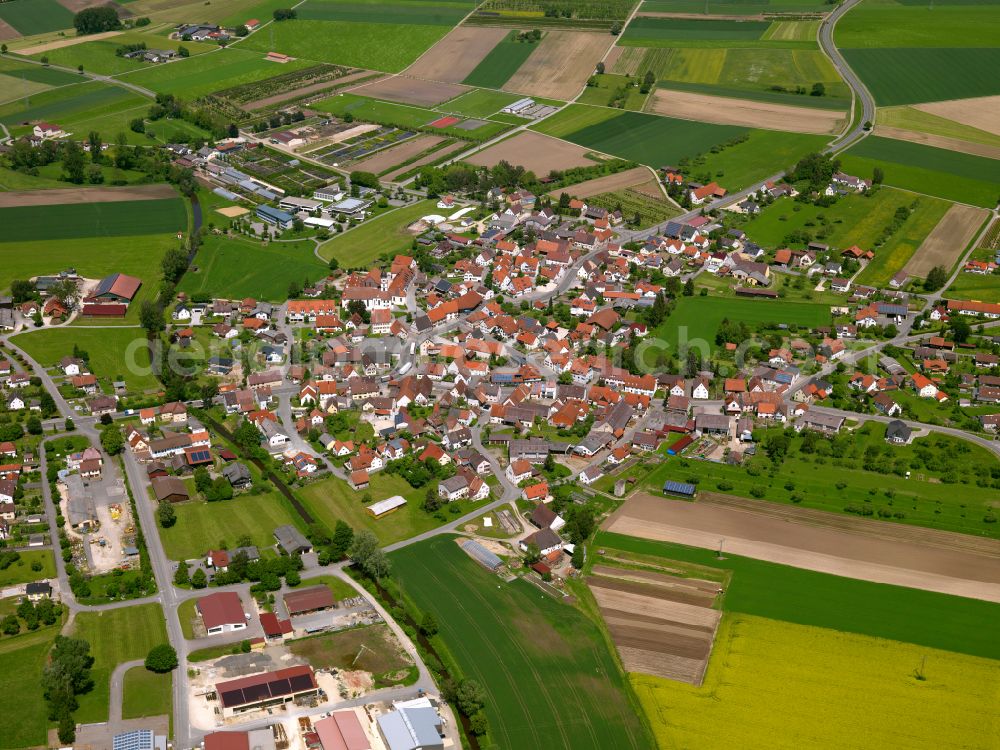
(232, 698)
(279, 687)
(679, 488)
(253, 693)
(300, 682)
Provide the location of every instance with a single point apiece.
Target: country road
(856, 129)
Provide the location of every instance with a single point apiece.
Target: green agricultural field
(963, 178)
(607, 92)
(76, 220)
(805, 597)
(792, 31)
(763, 154)
(734, 7)
(36, 16)
(647, 31)
(420, 13)
(21, 572)
(881, 24)
(383, 235)
(535, 653)
(203, 526)
(205, 74)
(652, 140)
(238, 267)
(146, 694)
(894, 254)
(815, 675)
(22, 659)
(70, 106)
(479, 103)
(909, 76)
(330, 500)
(853, 220)
(115, 353)
(389, 47)
(145, 627)
(573, 118)
(99, 56)
(911, 118)
(752, 73)
(942, 492)
(501, 63)
(698, 318)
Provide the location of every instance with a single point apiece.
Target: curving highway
(856, 130)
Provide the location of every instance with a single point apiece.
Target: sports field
(537, 656)
(146, 694)
(333, 499)
(647, 139)
(805, 597)
(204, 74)
(815, 675)
(500, 63)
(115, 353)
(383, 235)
(924, 169)
(145, 628)
(389, 47)
(36, 16)
(235, 268)
(698, 318)
(77, 220)
(203, 526)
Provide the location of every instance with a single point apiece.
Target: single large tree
(161, 658)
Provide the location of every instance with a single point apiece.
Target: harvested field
(7, 31)
(610, 183)
(390, 157)
(58, 196)
(939, 141)
(946, 243)
(539, 153)
(457, 54)
(407, 90)
(439, 154)
(900, 557)
(662, 625)
(68, 42)
(310, 88)
(726, 111)
(981, 112)
(561, 64)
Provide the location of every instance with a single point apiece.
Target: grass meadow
(805, 597)
(99, 56)
(22, 659)
(381, 235)
(388, 47)
(115, 353)
(536, 654)
(958, 177)
(606, 89)
(70, 105)
(115, 636)
(21, 572)
(816, 675)
(202, 526)
(237, 267)
(501, 63)
(479, 103)
(763, 154)
(36, 17)
(332, 499)
(77, 220)
(573, 118)
(146, 694)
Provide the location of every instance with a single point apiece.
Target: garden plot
(390, 157)
(411, 90)
(457, 54)
(361, 146)
(560, 65)
(662, 625)
(279, 170)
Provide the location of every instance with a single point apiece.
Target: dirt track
(939, 141)
(457, 54)
(68, 42)
(727, 111)
(86, 195)
(539, 153)
(947, 241)
(561, 64)
(982, 112)
(835, 551)
(390, 157)
(411, 90)
(608, 184)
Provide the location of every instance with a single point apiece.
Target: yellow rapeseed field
(773, 685)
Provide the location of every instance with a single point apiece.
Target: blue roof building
(274, 216)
